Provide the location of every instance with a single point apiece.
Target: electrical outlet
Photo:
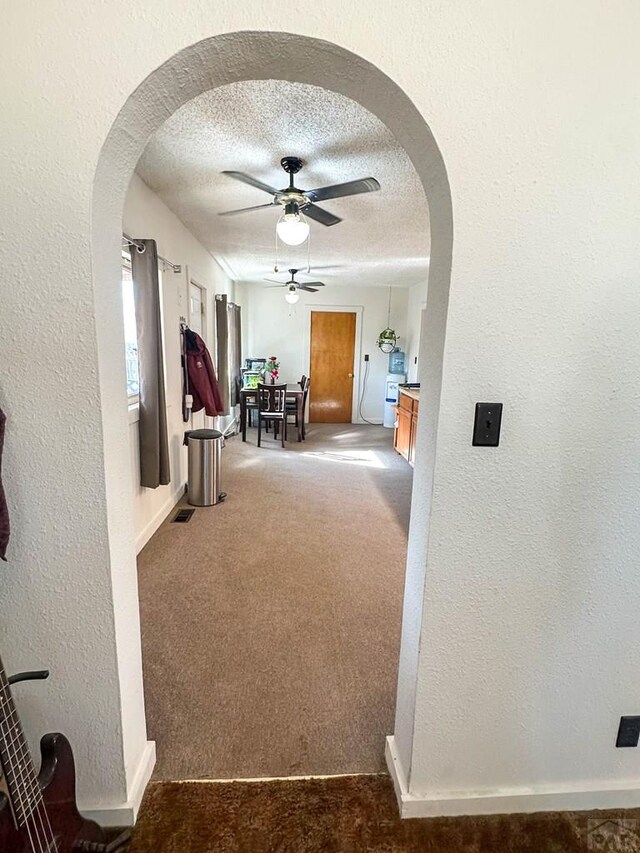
(366, 358)
(628, 731)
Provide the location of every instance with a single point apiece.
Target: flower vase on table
(272, 370)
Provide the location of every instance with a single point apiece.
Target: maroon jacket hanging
(203, 385)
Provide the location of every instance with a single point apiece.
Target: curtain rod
(141, 248)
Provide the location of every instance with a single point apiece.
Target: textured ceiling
(383, 238)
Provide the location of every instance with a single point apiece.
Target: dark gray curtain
(228, 350)
(235, 353)
(222, 349)
(154, 444)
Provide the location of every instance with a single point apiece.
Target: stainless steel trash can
(204, 452)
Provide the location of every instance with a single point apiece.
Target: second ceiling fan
(293, 286)
(292, 229)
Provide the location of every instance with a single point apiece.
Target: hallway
(271, 623)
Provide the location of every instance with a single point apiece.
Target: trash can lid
(203, 434)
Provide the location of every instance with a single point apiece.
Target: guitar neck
(15, 758)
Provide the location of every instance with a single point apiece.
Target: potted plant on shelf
(272, 369)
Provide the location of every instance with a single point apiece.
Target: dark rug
(352, 814)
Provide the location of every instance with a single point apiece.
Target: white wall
(416, 304)
(526, 656)
(271, 328)
(146, 216)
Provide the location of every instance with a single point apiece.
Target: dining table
(293, 392)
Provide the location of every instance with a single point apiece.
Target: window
(130, 333)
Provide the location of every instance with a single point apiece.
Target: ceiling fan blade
(275, 281)
(253, 182)
(246, 209)
(310, 284)
(320, 215)
(308, 289)
(364, 185)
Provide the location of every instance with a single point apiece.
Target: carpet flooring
(271, 622)
(353, 814)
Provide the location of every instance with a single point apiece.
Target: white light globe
(291, 229)
(292, 296)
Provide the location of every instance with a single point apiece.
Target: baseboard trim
(127, 813)
(506, 801)
(150, 528)
(397, 773)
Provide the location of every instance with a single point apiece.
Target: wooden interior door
(333, 340)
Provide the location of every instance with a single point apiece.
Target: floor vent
(183, 515)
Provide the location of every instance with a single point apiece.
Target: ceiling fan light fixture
(292, 294)
(292, 228)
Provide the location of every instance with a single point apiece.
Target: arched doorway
(203, 66)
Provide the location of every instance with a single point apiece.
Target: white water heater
(391, 394)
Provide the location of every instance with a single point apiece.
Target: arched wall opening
(203, 66)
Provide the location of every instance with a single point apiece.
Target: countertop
(414, 393)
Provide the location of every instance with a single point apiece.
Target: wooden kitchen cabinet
(403, 433)
(407, 424)
(412, 442)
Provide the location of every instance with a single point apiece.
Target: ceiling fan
(294, 286)
(291, 228)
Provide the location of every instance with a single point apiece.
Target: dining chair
(305, 394)
(272, 407)
(292, 407)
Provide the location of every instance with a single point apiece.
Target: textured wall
(530, 631)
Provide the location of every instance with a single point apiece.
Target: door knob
(350, 375)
